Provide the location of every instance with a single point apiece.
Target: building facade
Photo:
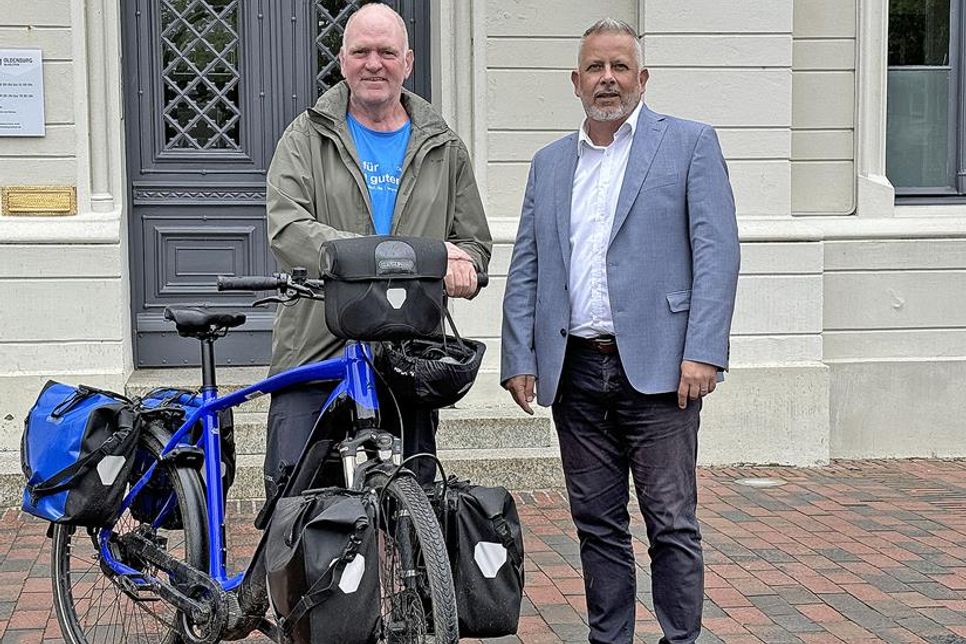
(849, 338)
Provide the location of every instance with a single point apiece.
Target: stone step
(458, 429)
(517, 469)
(11, 479)
(531, 468)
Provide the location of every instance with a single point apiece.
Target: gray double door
(210, 86)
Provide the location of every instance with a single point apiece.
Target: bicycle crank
(200, 600)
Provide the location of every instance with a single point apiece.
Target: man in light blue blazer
(617, 313)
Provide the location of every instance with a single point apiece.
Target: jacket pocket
(679, 300)
(656, 183)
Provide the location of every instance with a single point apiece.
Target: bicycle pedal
(133, 589)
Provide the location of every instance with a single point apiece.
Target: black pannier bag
(77, 452)
(322, 565)
(383, 287)
(485, 543)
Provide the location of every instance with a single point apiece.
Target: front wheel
(418, 603)
(95, 607)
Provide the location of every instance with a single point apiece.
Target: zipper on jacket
(432, 142)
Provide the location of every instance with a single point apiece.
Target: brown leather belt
(600, 344)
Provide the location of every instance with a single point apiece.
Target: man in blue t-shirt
(381, 157)
(360, 132)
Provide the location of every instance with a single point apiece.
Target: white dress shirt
(597, 185)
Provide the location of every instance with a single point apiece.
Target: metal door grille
(199, 55)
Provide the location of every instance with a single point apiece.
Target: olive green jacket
(316, 192)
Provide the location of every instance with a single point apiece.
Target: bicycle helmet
(432, 373)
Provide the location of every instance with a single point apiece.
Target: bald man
(369, 158)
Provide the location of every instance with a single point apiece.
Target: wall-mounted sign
(21, 92)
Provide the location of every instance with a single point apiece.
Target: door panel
(210, 85)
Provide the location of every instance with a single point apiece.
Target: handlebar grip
(482, 279)
(250, 283)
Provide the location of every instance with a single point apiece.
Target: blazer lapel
(564, 189)
(647, 139)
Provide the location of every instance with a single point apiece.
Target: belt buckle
(605, 344)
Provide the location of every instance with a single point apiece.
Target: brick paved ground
(856, 552)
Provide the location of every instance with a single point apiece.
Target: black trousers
(608, 430)
(293, 413)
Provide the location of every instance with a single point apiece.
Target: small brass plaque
(37, 201)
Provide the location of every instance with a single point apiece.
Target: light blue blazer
(672, 263)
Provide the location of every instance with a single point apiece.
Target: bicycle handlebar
(281, 280)
(252, 283)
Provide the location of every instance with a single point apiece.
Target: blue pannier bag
(77, 453)
(169, 408)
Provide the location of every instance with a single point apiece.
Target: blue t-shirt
(381, 156)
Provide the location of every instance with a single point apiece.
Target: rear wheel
(418, 602)
(96, 607)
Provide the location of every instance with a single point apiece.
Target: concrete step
(458, 429)
(486, 446)
(517, 469)
(11, 479)
(531, 468)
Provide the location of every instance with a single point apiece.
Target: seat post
(208, 364)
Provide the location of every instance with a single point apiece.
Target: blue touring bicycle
(165, 577)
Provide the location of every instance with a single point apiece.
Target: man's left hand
(460, 277)
(697, 381)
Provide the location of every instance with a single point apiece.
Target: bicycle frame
(354, 377)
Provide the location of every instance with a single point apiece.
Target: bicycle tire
(93, 609)
(435, 579)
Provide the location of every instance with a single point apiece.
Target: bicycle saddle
(193, 322)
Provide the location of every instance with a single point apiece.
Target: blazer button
(563, 332)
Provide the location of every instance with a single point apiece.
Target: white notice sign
(21, 92)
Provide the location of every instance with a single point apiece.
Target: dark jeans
(607, 429)
(293, 413)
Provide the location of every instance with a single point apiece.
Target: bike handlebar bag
(383, 287)
(322, 567)
(77, 453)
(484, 539)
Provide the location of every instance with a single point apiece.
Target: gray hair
(614, 26)
(384, 7)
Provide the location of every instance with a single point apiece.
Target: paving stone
(838, 555)
(933, 590)
(797, 623)
(773, 605)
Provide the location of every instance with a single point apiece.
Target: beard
(628, 101)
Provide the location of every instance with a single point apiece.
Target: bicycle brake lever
(271, 299)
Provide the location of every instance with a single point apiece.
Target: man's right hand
(521, 389)
(460, 277)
